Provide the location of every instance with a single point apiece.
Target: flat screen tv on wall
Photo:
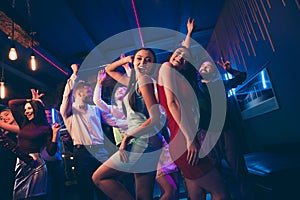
(256, 96)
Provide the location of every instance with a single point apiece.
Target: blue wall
(235, 28)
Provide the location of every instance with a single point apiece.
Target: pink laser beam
(137, 23)
(49, 61)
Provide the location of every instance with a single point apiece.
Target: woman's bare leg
(168, 185)
(105, 179)
(144, 186)
(211, 182)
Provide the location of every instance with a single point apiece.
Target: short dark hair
(81, 84)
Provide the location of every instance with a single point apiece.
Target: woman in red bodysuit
(177, 89)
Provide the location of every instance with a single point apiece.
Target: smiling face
(180, 58)
(28, 111)
(7, 117)
(120, 93)
(143, 61)
(207, 70)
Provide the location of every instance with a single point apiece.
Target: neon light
(53, 114)
(226, 76)
(49, 61)
(137, 23)
(263, 79)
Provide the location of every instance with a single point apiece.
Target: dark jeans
(85, 165)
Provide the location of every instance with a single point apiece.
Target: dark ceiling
(67, 31)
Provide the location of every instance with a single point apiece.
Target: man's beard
(207, 77)
(88, 100)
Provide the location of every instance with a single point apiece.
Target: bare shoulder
(165, 68)
(145, 79)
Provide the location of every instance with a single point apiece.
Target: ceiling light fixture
(12, 55)
(2, 85)
(33, 63)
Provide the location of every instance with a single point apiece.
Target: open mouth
(29, 116)
(179, 62)
(142, 68)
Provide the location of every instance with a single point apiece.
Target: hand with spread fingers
(226, 65)
(193, 152)
(36, 96)
(190, 25)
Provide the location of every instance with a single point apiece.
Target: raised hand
(74, 68)
(55, 127)
(127, 64)
(225, 64)
(35, 94)
(190, 25)
(101, 76)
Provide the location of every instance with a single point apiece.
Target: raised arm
(239, 77)
(17, 109)
(36, 96)
(98, 91)
(67, 100)
(190, 27)
(52, 144)
(126, 66)
(110, 120)
(111, 70)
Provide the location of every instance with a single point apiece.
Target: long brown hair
(132, 82)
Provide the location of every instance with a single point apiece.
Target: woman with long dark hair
(140, 147)
(34, 133)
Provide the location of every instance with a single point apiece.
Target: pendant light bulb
(12, 55)
(2, 90)
(33, 64)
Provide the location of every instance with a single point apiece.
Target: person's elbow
(157, 121)
(173, 105)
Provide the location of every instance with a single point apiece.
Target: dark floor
(71, 192)
(260, 191)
